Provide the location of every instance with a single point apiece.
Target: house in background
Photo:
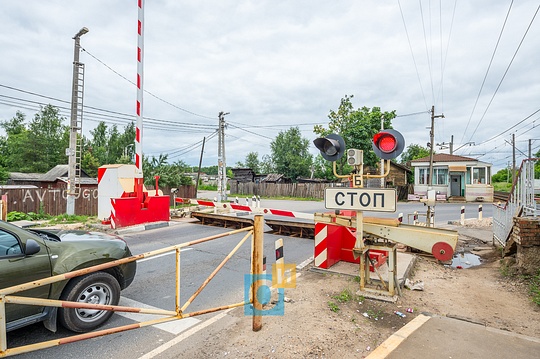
(397, 176)
(56, 178)
(454, 178)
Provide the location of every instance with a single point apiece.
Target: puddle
(465, 260)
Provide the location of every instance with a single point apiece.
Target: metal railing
(521, 202)
(7, 294)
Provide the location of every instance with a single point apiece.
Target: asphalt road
(154, 285)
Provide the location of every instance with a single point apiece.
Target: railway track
(500, 196)
(281, 227)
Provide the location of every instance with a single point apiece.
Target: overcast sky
(277, 64)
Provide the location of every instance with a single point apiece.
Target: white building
(454, 177)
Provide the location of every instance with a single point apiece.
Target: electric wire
(412, 54)
(506, 71)
(487, 70)
(427, 51)
(148, 92)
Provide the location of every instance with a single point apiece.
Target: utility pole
(74, 150)
(222, 166)
(382, 160)
(452, 145)
(513, 157)
(432, 144)
(199, 170)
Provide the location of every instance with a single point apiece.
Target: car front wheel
(94, 288)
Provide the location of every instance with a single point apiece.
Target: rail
(7, 294)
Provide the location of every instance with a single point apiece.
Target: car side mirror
(32, 247)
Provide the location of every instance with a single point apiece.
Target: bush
(17, 216)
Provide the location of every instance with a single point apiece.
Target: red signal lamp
(388, 144)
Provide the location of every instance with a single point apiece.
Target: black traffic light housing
(388, 144)
(332, 147)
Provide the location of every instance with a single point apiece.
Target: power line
(511, 127)
(412, 53)
(427, 52)
(148, 92)
(121, 117)
(487, 71)
(506, 71)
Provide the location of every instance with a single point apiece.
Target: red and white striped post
(140, 77)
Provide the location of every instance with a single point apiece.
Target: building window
(440, 176)
(423, 176)
(479, 175)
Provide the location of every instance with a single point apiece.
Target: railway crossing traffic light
(388, 144)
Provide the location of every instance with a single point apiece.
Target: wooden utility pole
(432, 144)
(513, 157)
(199, 170)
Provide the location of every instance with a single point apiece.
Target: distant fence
(300, 190)
(50, 201)
(54, 201)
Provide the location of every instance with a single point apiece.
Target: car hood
(77, 235)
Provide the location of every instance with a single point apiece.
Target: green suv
(29, 255)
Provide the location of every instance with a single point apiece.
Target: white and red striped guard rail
(251, 209)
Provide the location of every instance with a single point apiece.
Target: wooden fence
(50, 201)
(300, 190)
(54, 201)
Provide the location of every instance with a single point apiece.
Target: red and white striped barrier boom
(246, 208)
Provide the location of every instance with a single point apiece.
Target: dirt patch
(326, 319)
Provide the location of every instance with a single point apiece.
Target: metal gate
(256, 232)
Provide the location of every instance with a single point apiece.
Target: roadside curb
(144, 227)
(390, 344)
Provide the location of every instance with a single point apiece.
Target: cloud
(280, 63)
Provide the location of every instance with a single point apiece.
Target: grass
(534, 288)
(60, 219)
(502, 186)
(532, 281)
(70, 218)
(375, 314)
(333, 307)
(344, 296)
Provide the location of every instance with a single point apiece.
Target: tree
(252, 161)
(49, 139)
(38, 147)
(108, 145)
(413, 152)
(357, 128)
(323, 168)
(15, 145)
(537, 166)
(267, 165)
(169, 175)
(90, 164)
(502, 175)
(290, 154)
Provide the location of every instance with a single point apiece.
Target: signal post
(387, 144)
